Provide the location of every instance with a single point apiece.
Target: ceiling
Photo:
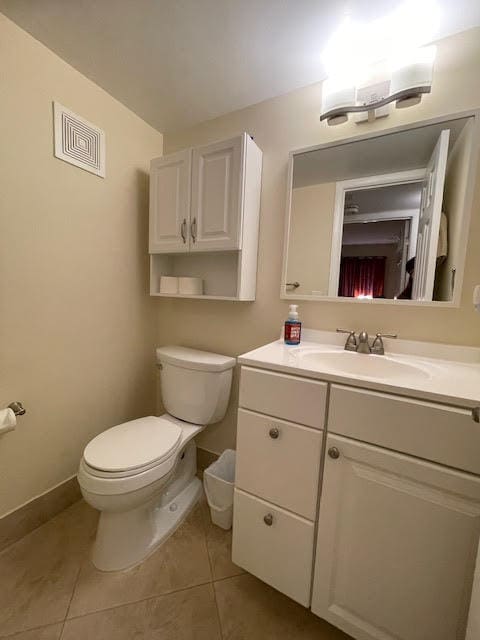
(179, 62)
(388, 232)
(397, 197)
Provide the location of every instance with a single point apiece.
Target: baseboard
(204, 460)
(31, 515)
(18, 523)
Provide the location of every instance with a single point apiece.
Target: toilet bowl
(141, 475)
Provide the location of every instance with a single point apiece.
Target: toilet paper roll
(8, 420)
(190, 286)
(168, 284)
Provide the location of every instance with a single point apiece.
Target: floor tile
(219, 545)
(180, 562)
(52, 632)
(184, 615)
(41, 570)
(251, 610)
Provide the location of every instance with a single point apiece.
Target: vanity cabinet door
(170, 203)
(396, 546)
(217, 195)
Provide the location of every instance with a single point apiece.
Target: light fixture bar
(405, 95)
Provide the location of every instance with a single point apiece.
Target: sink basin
(357, 364)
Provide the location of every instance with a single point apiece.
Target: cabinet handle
(268, 519)
(274, 432)
(476, 414)
(183, 230)
(334, 453)
(193, 229)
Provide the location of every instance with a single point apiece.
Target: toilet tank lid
(194, 359)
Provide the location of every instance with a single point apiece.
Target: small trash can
(218, 480)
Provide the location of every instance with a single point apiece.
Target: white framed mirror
(383, 217)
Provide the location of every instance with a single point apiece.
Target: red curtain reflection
(362, 276)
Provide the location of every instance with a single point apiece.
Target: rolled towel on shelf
(190, 286)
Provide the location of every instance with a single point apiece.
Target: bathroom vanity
(358, 482)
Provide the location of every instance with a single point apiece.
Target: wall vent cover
(77, 141)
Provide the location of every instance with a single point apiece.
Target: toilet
(141, 475)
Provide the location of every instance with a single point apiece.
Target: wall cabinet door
(170, 203)
(396, 546)
(217, 195)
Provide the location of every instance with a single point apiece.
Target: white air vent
(78, 142)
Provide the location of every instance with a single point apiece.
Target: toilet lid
(133, 445)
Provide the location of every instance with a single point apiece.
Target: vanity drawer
(289, 397)
(278, 551)
(436, 432)
(278, 461)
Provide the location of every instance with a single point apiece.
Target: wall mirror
(382, 217)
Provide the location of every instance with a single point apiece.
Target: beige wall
(310, 240)
(291, 122)
(76, 324)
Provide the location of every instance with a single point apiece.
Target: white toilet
(141, 475)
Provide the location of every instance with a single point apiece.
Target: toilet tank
(195, 385)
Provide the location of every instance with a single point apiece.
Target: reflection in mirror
(382, 217)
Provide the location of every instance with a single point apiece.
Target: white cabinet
(217, 195)
(397, 538)
(396, 529)
(277, 474)
(204, 217)
(170, 202)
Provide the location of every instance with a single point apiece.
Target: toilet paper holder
(17, 408)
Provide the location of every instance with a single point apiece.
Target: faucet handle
(377, 345)
(351, 342)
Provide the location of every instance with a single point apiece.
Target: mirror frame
(468, 205)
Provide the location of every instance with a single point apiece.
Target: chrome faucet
(362, 345)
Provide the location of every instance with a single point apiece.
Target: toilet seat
(132, 447)
(113, 483)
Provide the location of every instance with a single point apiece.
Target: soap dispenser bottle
(293, 326)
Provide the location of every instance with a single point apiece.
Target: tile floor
(187, 590)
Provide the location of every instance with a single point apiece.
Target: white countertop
(452, 374)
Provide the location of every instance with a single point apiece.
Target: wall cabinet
(390, 546)
(204, 217)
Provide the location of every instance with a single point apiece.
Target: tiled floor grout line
(205, 532)
(126, 604)
(71, 598)
(217, 608)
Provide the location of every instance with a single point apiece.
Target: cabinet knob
(334, 453)
(274, 432)
(476, 414)
(268, 519)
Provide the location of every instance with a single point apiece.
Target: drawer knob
(334, 453)
(268, 519)
(274, 432)
(476, 414)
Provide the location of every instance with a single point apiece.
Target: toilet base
(110, 552)
(126, 538)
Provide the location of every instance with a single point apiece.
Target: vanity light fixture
(405, 79)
